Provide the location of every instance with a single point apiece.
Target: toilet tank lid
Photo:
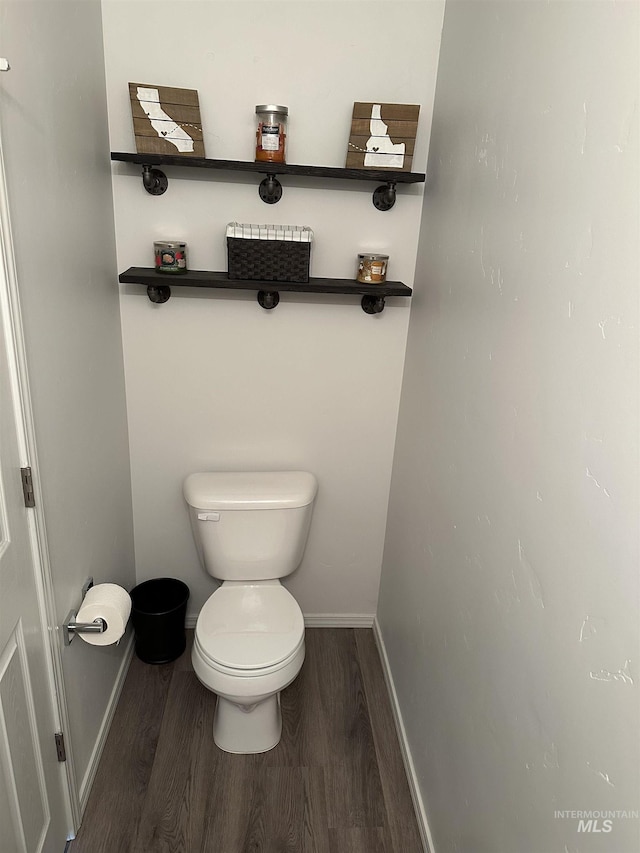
(224, 490)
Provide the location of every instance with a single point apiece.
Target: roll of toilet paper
(110, 602)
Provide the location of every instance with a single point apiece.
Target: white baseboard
(92, 769)
(338, 620)
(319, 620)
(410, 770)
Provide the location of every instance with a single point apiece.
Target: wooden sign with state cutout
(166, 120)
(382, 136)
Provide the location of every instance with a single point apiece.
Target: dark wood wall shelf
(159, 286)
(270, 190)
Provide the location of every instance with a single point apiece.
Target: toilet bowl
(250, 530)
(248, 646)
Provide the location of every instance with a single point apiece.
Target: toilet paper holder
(70, 627)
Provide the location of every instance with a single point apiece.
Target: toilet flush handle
(208, 516)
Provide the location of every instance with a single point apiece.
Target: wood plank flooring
(334, 784)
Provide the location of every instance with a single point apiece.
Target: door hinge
(27, 487)
(60, 750)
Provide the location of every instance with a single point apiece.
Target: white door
(32, 786)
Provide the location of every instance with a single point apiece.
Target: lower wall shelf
(268, 292)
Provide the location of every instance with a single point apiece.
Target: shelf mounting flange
(268, 298)
(384, 197)
(158, 293)
(372, 304)
(270, 189)
(154, 180)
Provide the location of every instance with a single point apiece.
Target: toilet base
(245, 729)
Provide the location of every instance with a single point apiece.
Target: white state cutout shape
(163, 124)
(386, 153)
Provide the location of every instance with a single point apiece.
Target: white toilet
(250, 530)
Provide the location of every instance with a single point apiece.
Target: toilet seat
(249, 629)
(246, 673)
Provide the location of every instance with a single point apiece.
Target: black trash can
(158, 611)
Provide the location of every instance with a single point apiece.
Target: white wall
(509, 596)
(214, 381)
(55, 136)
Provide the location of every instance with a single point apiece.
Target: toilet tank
(250, 525)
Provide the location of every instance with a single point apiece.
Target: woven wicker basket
(268, 260)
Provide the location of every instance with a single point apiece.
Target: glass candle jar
(171, 256)
(271, 133)
(372, 269)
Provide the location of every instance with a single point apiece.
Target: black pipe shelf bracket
(270, 189)
(268, 298)
(158, 293)
(156, 182)
(267, 292)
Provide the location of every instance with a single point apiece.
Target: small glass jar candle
(171, 256)
(271, 133)
(372, 269)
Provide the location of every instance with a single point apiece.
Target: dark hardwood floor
(334, 784)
